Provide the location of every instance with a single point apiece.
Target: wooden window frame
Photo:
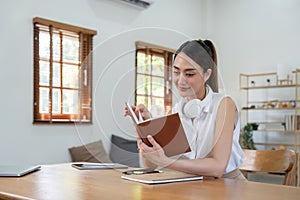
(85, 38)
(167, 53)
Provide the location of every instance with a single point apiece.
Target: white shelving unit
(275, 106)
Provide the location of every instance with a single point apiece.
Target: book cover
(167, 132)
(162, 177)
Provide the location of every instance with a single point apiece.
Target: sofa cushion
(124, 151)
(91, 152)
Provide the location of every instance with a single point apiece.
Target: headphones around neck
(192, 108)
(195, 107)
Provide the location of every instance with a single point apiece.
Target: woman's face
(188, 77)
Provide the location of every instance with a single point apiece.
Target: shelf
(270, 98)
(273, 101)
(277, 131)
(266, 122)
(270, 86)
(261, 74)
(276, 144)
(271, 108)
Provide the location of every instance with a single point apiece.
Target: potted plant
(246, 137)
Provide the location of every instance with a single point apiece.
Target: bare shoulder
(228, 103)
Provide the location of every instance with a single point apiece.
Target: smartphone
(141, 171)
(98, 165)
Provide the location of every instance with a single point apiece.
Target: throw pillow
(124, 151)
(91, 152)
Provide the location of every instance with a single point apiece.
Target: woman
(210, 119)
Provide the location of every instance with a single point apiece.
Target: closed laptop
(17, 170)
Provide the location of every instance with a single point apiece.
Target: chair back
(273, 161)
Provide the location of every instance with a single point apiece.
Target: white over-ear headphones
(192, 108)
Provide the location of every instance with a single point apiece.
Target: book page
(133, 115)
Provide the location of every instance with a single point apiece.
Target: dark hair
(210, 48)
(203, 52)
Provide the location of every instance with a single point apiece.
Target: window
(62, 72)
(154, 78)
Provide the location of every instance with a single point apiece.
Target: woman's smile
(181, 88)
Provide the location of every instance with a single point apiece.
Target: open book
(167, 132)
(162, 177)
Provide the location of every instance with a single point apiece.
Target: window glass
(62, 92)
(158, 66)
(44, 48)
(153, 77)
(158, 87)
(44, 100)
(56, 75)
(142, 85)
(44, 73)
(56, 47)
(71, 49)
(142, 66)
(142, 100)
(70, 102)
(70, 76)
(56, 101)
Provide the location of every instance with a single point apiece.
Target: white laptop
(17, 170)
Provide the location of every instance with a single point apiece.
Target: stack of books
(292, 122)
(275, 126)
(166, 176)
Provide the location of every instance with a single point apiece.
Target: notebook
(98, 165)
(167, 131)
(17, 170)
(162, 177)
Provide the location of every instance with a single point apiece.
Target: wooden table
(65, 182)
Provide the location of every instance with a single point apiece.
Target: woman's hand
(142, 109)
(154, 154)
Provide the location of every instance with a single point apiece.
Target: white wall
(253, 36)
(118, 26)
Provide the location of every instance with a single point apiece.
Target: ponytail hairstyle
(203, 52)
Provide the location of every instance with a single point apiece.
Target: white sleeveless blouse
(201, 131)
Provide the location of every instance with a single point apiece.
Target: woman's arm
(220, 154)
